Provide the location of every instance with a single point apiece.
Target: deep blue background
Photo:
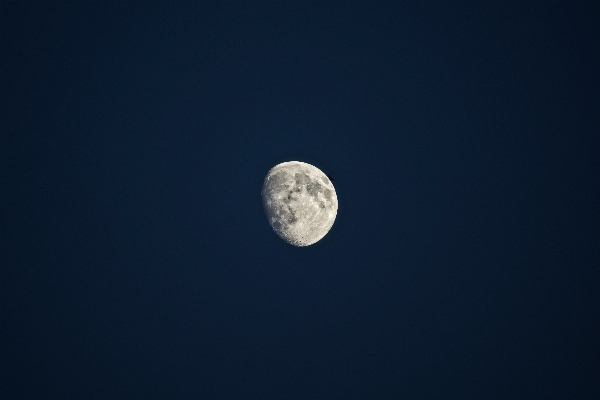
(136, 260)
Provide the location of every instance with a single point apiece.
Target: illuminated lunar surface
(300, 202)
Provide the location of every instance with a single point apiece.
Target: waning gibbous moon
(300, 202)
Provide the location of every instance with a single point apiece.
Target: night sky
(136, 261)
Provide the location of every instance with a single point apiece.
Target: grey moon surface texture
(300, 202)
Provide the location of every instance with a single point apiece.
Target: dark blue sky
(136, 260)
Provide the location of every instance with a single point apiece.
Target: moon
(300, 202)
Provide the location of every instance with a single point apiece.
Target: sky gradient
(136, 259)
